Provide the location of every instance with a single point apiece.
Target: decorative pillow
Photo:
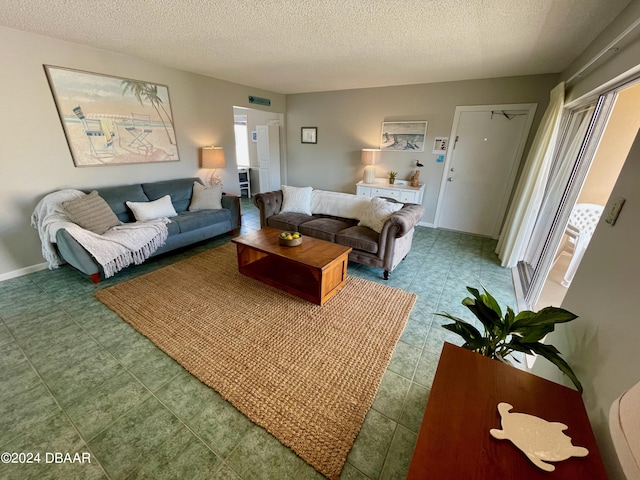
(296, 199)
(147, 211)
(378, 212)
(91, 212)
(204, 198)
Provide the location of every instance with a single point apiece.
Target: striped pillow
(91, 212)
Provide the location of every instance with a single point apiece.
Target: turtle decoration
(541, 441)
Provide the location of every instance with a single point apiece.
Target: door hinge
(455, 142)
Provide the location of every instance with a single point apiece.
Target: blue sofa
(185, 229)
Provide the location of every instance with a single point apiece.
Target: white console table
(400, 190)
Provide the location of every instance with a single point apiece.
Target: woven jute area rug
(306, 373)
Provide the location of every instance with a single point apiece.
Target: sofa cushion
(324, 228)
(359, 238)
(188, 221)
(378, 212)
(288, 221)
(117, 196)
(147, 211)
(180, 190)
(296, 200)
(91, 212)
(172, 227)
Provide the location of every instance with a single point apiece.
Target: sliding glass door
(582, 131)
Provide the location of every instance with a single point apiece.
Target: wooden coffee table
(315, 270)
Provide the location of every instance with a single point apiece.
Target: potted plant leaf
(392, 177)
(508, 333)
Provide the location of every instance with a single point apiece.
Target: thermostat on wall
(614, 211)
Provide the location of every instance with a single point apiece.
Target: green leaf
(491, 302)
(489, 318)
(475, 292)
(534, 333)
(472, 337)
(548, 315)
(551, 353)
(509, 318)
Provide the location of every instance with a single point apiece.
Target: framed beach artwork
(112, 120)
(403, 136)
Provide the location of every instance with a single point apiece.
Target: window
(242, 140)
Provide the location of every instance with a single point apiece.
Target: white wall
(34, 156)
(351, 120)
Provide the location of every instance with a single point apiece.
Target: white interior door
(481, 165)
(263, 146)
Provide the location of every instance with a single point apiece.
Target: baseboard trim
(23, 271)
(426, 224)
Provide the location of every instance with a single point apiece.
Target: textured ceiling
(295, 46)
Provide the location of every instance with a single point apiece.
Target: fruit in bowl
(290, 239)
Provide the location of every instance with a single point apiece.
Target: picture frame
(254, 136)
(110, 120)
(440, 145)
(403, 136)
(309, 134)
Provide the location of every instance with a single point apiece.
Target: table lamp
(213, 159)
(370, 156)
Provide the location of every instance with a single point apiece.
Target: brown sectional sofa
(382, 250)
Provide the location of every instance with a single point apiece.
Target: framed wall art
(403, 136)
(309, 134)
(111, 120)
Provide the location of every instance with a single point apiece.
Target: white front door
(486, 146)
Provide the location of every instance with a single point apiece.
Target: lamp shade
(370, 156)
(213, 157)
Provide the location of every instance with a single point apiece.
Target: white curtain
(576, 133)
(530, 191)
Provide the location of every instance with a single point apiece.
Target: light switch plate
(614, 211)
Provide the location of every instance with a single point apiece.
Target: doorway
(616, 140)
(481, 166)
(246, 123)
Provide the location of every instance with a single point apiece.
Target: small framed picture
(254, 136)
(440, 144)
(309, 134)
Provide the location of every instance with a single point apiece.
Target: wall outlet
(614, 211)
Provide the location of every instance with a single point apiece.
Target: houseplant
(508, 333)
(392, 177)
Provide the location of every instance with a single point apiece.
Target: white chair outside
(245, 182)
(582, 223)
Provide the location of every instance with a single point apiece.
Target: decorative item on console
(415, 179)
(392, 177)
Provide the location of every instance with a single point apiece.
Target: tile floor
(74, 378)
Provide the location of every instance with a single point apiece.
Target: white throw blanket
(116, 249)
(337, 204)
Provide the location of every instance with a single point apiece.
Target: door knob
(450, 179)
